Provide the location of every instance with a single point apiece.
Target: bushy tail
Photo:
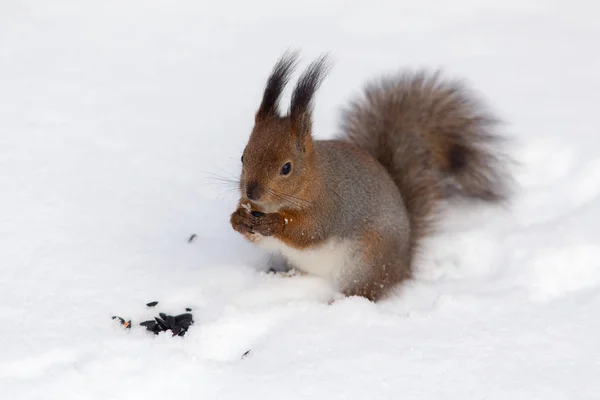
(435, 137)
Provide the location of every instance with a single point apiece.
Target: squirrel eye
(242, 159)
(286, 169)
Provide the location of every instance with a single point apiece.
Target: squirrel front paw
(248, 223)
(268, 224)
(241, 221)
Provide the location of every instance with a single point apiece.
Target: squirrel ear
(302, 128)
(279, 77)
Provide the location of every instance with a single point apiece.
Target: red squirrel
(354, 209)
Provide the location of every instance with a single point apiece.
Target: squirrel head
(278, 161)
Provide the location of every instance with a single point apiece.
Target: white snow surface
(114, 118)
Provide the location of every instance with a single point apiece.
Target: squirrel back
(355, 209)
(435, 138)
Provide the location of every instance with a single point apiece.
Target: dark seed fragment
(170, 322)
(246, 353)
(161, 323)
(126, 324)
(192, 238)
(178, 324)
(185, 324)
(183, 317)
(176, 330)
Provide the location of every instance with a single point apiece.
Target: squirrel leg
(278, 263)
(382, 263)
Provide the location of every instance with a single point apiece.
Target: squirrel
(354, 209)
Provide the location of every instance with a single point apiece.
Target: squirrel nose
(253, 191)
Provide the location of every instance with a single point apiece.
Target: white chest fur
(326, 260)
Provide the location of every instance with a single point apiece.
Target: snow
(116, 116)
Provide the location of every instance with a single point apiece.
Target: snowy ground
(115, 114)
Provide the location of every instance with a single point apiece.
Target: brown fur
(266, 163)
(301, 231)
(383, 272)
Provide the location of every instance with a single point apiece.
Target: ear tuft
(279, 77)
(307, 85)
(302, 97)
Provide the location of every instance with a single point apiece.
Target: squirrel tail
(436, 139)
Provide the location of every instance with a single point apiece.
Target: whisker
(290, 199)
(231, 191)
(233, 176)
(222, 182)
(278, 196)
(218, 178)
(289, 196)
